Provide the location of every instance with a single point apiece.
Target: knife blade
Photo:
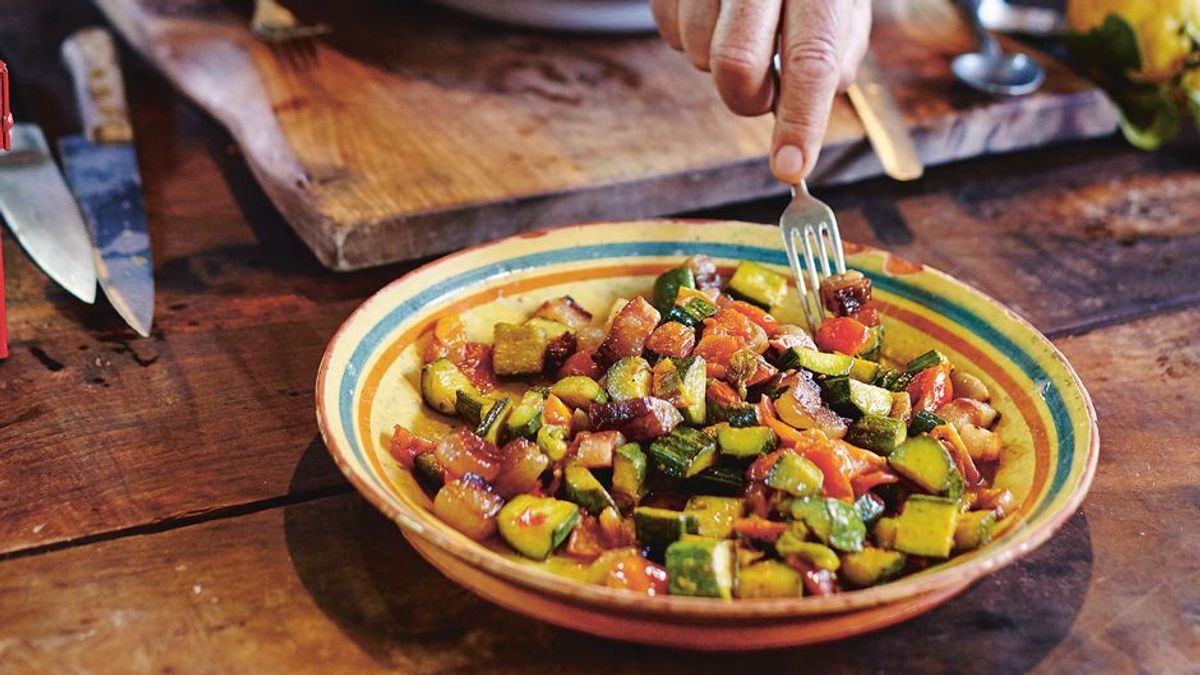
(884, 124)
(39, 209)
(101, 167)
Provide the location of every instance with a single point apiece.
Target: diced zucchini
(552, 441)
(927, 360)
(746, 442)
(581, 487)
(974, 529)
(578, 391)
(484, 414)
(628, 378)
(795, 475)
(877, 433)
(871, 566)
(694, 372)
(518, 349)
(736, 415)
(535, 526)
(659, 528)
(722, 480)
(810, 552)
(757, 284)
(927, 463)
(854, 399)
(884, 532)
(834, 522)
(872, 350)
(923, 422)
(428, 471)
(927, 526)
(817, 362)
(864, 370)
(667, 285)
(691, 312)
(441, 381)
(472, 407)
(701, 567)
(684, 452)
(715, 515)
(870, 507)
(526, 417)
(629, 474)
(768, 579)
(892, 379)
(801, 406)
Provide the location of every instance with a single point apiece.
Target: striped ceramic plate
(368, 382)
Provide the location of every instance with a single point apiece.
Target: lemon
(1164, 30)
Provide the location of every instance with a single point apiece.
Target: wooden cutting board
(415, 130)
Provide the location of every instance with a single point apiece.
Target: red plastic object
(6, 118)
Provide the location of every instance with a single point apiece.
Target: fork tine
(812, 301)
(835, 239)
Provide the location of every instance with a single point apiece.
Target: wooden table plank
(329, 584)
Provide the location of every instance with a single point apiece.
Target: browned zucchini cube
(518, 350)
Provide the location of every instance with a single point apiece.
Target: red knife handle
(6, 120)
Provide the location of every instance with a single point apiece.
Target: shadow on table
(367, 579)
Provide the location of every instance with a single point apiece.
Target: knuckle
(816, 59)
(735, 63)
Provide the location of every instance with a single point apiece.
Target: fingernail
(789, 164)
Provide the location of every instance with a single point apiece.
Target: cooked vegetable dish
(694, 445)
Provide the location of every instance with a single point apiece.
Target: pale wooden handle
(91, 58)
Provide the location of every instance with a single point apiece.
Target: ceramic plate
(369, 382)
(600, 16)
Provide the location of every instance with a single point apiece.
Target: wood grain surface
(133, 471)
(414, 130)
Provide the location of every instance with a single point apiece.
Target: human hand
(821, 43)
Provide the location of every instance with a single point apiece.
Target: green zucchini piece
(810, 552)
(795, 475)
(629, 474)
(691, 313)
(519, 349)
(927, 526)
(684, 452)
(929, 359)
(722, 480)
(493, 422)
(817, 362)
(441, 381)
(927, 463)
(484, 414)
(715, 515)
(735, 415)
(853, 399)
(472, 407)
(884, 533)
(746, 442)
(757, 284)
(871, 566)
(923, 422)
(701, 567)
(628, 378)
(870, 507)
(578, 391)
(659, 528)
(552, 441)
(535, 526)
(834, 522)
(892, 379)
(694, 373)
(767, 579)
(428, 471)
(877, 433)
(974, 529)
(526, 417)
(582, 488)
(871, 352)
(863, 370)
(667, 285)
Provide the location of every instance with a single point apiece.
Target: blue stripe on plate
(956, 313)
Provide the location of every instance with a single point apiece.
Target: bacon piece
(565, 310)
(641, 419)
(627, 336)
(406, 445)
(580, 363)
(672, 339)
(845, 294)
(521, 467)
(594, 449)
(791, 336)
(559, 350)
(461, 452)
(705, 271)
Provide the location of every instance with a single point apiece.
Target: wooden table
(167, 503)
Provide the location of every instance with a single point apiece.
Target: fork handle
(91, 57)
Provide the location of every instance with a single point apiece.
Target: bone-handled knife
(38, 207)
(884, 124)
(101, 167)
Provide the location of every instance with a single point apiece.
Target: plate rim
(476, 554)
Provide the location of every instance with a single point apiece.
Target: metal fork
(291, 42)
(811, 222)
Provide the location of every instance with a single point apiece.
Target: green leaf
(1111, 48)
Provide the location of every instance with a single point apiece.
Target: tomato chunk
(406, 446)
(843, 334)
(931, 388)
(672, 339)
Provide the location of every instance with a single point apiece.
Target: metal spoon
(988, 69)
